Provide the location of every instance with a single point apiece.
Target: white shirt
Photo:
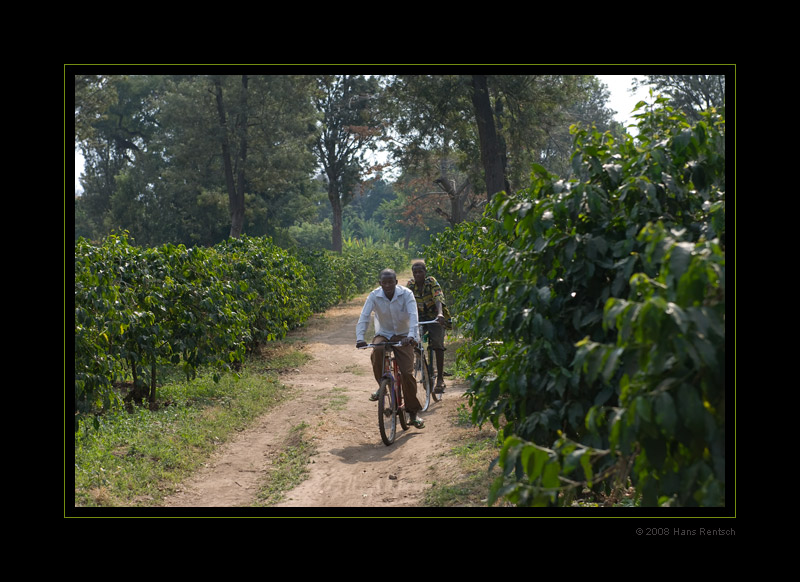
(395, 317)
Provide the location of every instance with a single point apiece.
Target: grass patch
(468, 485)
(138, 457)
(355, 369)
(337, 400)
(282, 356)
(289, 469)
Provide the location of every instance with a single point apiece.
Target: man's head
(419, 270)
(388, 282)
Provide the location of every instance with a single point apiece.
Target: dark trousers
(405, 362)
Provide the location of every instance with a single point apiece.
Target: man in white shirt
(395, 310)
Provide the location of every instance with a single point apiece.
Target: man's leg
(377, 358)
(436, 338)
(377, 364)
(405, 361)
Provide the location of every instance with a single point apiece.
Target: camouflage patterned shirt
(426, 297)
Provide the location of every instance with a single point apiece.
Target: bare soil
(351, 467)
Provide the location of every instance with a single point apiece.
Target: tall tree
(492, 156)
(94, 95)
(529, 111)
(195, 158)
(689, 93)
(262, 119)
(496, 126)
(349, 129)
(234, 183)
(431, 115)
(113, 126)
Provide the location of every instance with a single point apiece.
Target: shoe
(440, 388)
(416, 422)
(373, 397)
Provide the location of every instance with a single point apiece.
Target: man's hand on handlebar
(404, 341)
(440, 319)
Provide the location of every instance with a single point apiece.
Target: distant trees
(691, 94)
(195, 159)
(349, 127)
(492, 126)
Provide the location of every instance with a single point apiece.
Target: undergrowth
(136, 457)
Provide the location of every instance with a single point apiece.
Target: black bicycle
(423, 367)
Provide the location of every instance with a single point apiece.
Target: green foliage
(451, 257)
(272, 285)
(597, 311)
(671, 345)
(337, 277)
(138, 309)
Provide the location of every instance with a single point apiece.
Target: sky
(620, 100)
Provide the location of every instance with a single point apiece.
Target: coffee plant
(597, 309)
(139, 309)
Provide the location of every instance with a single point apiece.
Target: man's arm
(438, 295)
(413, 316)
(363, 320)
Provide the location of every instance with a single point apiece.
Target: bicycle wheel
(387, 412)
(437, 396)
(423, 379)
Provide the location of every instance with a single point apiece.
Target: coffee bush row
(595, 306)
(139, 309)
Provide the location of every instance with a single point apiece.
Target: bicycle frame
(392, 372)
(391, 378)
(390, 368)
(428, 363)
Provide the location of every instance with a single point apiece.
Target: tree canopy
(194, 159)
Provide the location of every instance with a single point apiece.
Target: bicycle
(390, 395)
(423, 367)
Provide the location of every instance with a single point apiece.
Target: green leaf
(611, 363)
(665, 414)
(690, 407)
(550, 475)
(586, 463)
(533, 461)
(680, 257)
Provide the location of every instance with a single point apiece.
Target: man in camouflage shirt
(430, 305)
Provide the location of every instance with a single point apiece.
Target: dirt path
(351, 467)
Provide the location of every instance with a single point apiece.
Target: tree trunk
(457, 199)
(491, 156)
(336, 207)
(237, 207)
(152, 398)
(235, 187)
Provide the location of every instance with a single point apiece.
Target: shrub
(137, 309)
(549, 277)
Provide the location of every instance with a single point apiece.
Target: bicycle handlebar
(380, 345)
(395, 343)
